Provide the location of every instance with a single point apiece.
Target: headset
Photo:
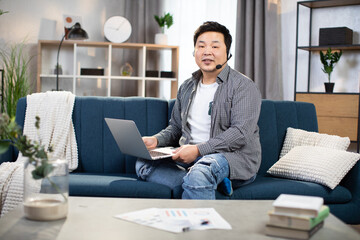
(221, 65)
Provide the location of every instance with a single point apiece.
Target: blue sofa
(104, 171)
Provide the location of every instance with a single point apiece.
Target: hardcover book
(292, 233)
(287, 204)
(298, 222)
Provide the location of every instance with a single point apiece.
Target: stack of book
(296, 217)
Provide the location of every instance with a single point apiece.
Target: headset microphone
(220, 65)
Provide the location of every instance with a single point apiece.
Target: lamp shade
(77, 33)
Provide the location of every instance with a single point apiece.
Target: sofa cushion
(298, 137)
(267, 187)
(275, 118)
(115, 185)
(325, 166)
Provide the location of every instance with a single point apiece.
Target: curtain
(258, 45)
(140, 14)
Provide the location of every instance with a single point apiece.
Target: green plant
(11, 134)
(16, 77)
(58, 66)
(166, 20)
(3, 12)
(329, 59)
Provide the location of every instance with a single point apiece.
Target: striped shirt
(234, 115)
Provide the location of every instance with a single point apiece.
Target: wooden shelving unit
(335, 47)
(338, 113)
(329, 3)
(141, 49)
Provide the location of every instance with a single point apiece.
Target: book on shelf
(292, 233)
(287, 204)
(298, 222)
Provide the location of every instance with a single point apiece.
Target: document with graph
(177, 219)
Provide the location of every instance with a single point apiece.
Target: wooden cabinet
(47, 49)
(338, 113)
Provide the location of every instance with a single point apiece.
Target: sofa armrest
(352, 182)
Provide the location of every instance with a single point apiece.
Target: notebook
(129, 141)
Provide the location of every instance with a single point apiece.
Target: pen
(185, 229)
(204, 222)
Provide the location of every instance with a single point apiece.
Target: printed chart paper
(177, 219)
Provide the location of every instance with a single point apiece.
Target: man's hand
(186, 154)
(150, 142)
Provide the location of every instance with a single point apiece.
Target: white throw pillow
(325, 166)
(297, 137)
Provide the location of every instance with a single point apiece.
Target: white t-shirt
(199, 117)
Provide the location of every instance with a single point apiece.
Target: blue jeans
(199, 182)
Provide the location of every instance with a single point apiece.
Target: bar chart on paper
(177, 219)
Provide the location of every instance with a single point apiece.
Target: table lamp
(75, 33)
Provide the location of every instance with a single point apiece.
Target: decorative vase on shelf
(161, 39)
(46, 195)
(126, 70)
(329, 87)
(163, 21)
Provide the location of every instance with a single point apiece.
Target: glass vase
(46, 198)
(126, 70)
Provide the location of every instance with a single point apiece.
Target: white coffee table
(93, 218)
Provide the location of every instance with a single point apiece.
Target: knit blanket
(56, 130)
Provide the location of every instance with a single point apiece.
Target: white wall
(346, 74)
(43, 19)
(36, 18)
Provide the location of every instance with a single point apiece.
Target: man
(214, 120)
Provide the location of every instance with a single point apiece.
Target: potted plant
(163, 21)
(16, 76)
(329, 59)
(58, 68)
(46, 185)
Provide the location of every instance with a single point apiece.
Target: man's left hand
(186, 154)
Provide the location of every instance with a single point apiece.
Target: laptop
(128, 139)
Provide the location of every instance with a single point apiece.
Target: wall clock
(117, 29)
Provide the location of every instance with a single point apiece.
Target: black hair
(210, 26)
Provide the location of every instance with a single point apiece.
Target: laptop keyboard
(157, 154)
